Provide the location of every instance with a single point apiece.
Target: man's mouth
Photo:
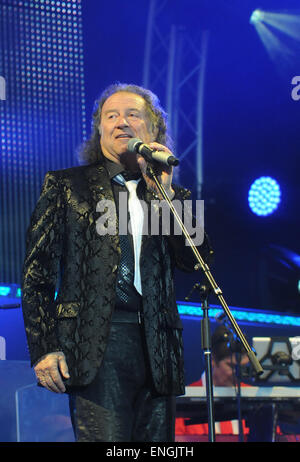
(124, 135)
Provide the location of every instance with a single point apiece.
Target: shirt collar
(114, 169)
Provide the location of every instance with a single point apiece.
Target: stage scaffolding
(174, 68)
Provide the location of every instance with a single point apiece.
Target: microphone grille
(133, 144)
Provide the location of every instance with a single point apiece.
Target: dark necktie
(127, 295)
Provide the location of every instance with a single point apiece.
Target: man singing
(112, 337)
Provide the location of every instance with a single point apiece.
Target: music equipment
(193, 403)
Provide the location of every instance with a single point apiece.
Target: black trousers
(120, 405)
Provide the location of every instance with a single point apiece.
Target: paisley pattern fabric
(118, 405)
(66, 254)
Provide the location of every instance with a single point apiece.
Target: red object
(229, 427)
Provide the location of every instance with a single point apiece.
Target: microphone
(137, 146)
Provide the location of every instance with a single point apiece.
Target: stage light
(4, 291)
(256, 16)
(44, 115)
(288, 24)
(279, 31)
(264, 196)
(240, 314)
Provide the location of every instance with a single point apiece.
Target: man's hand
(50, 370)
(165, 172)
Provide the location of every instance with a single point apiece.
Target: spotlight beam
(287, 23)
(272, 43)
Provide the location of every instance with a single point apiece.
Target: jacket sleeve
(182, 253)
(44, 244)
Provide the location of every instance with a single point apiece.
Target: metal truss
(174, 69)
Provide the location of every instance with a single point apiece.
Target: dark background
(251, 128)
(250, 123)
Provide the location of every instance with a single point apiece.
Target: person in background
(224, 365)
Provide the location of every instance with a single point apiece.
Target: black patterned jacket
(65, 253)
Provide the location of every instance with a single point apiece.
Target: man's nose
(122, 121)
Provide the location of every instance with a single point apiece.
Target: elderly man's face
(124, 116)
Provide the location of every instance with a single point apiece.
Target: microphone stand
(238, 357)
(236, 352)
(213, 285)
(206, 348)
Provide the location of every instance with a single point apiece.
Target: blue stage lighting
(256, 17)
(264, 196)
(43, 117)
(240, 314)
(4, 291)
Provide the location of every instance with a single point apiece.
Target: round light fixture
(264, 196)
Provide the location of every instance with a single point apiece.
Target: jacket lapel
(99, 183)
(100, 188)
